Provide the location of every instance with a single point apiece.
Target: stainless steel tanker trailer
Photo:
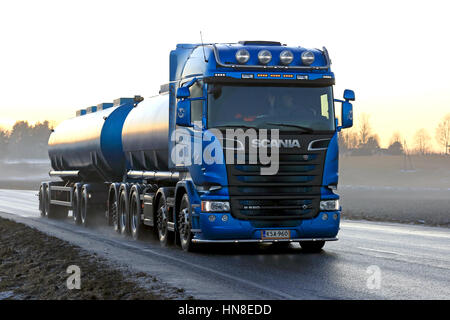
(119, 160)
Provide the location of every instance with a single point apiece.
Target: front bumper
(231, 229)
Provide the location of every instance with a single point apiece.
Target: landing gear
(54, 211)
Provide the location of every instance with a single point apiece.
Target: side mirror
(349, 95)
(347, 114)
(184, 113)
(183, 92)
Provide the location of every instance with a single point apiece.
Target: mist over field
(413, 189)
(396, 188)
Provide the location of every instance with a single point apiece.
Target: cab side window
(196, 105)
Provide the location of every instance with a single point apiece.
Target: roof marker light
(307, 58)
(264, 56)
(242, 56)
(286, 57)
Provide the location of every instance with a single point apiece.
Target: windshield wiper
(306, 129)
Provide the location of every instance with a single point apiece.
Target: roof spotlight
(264, 56)
(307, 58)
(286, 57)
(242, 56)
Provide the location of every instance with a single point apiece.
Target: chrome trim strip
(261, 240)
(73, 173)
(154, 175)
(317, 149)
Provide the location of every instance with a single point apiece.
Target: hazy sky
(60, 56)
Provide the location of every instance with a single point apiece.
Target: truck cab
(229, 101)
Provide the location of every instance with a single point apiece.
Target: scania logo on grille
(286, 143)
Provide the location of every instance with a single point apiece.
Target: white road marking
(389, 252)
(396, 230)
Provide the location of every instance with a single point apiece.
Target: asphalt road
(370, 261)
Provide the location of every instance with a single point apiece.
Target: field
(33, 266)
(385, 188)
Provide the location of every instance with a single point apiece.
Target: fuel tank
(92, 143)
(145, 135)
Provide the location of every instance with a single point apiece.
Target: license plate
(276, 234)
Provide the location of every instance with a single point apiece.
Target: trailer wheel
(42, 201)
(54, 211)
(115, 214)
(84, 208)
(312, 246)
(76, 210)
(137, 227)
(184, 225)
(123, 214)
(162, 217)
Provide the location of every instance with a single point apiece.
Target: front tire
(185, 226)
(312, 246)
(162, 217)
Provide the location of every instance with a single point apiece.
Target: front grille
(293, 193)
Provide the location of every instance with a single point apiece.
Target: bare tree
(396, 137)
(3, 142)
(422, 141)
(365, 129)
(348, 139)
(443, 133)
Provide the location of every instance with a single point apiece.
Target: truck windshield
(288, 108)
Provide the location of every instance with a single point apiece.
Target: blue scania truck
(121, 160)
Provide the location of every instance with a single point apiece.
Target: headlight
(242, 56)
(264, 56)
(286, 57)
(329, 205)
(307, 58)
(215, 206)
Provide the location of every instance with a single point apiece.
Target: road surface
(370, 261)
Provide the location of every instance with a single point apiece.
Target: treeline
(360, 140)
(25, 141)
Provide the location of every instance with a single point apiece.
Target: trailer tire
(42, 207)
(84, 208)
(76, 210)
(184, 225)
(54, 211)
(312, 246)
(124, 213)
(136, 225)
(162, 217)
